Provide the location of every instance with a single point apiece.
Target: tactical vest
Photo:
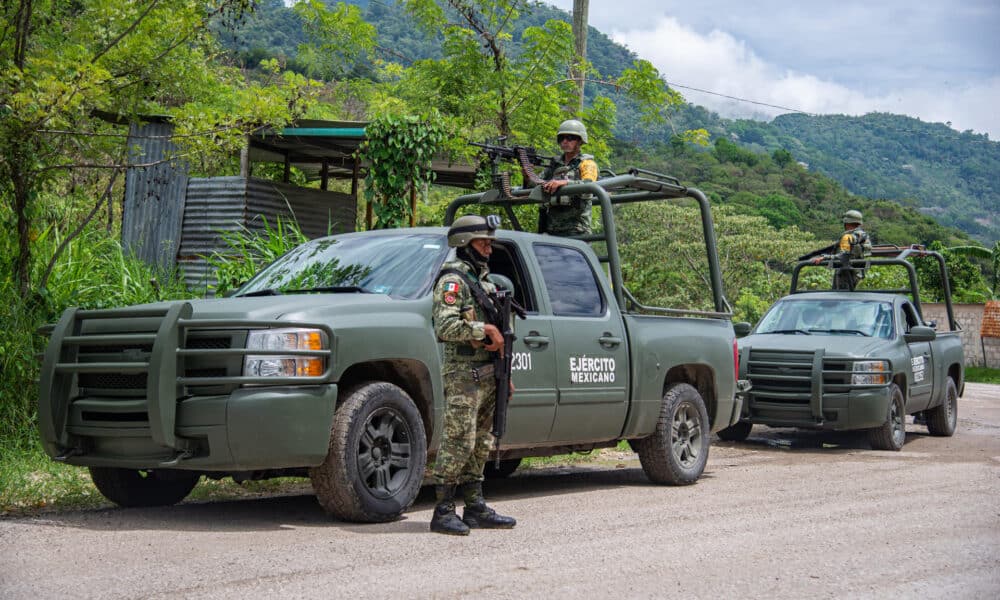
(467, 304)
(570, 170)
(859, 244)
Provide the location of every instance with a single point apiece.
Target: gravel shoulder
(785, 514)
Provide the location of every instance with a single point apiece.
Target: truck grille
(780, 376)
(134, 384)
(786, 377)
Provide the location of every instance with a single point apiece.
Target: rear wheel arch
(956, 374)
(701, 378)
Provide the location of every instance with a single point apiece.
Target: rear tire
(506, 468)
(942, 420)
(891, 435)
(677, 450)
(133, 488)
(736, 433)
(378, 452)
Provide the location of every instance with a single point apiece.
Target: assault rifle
(831, 249)
(524, 156)
(845, 276)
(503, 301)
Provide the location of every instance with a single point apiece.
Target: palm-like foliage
(991, 254)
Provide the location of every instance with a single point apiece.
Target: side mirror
(502, 282)
(742, 329)
(920, 333)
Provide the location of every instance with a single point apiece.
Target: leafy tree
(399, 150)
(485, 88)
(990, 254)
(782, 157)
(62, 61)
(964, 278)
(665, 263)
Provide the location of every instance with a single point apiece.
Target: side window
(506, 261)
(571, 283)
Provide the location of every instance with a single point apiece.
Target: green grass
(31, 482)
(574, 458)
(982, 375)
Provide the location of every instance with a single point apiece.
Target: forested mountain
(951, 176)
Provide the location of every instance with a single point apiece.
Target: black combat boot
(445, 520)
(479, 516)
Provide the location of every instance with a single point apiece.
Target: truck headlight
(870, 372)
(274, 364)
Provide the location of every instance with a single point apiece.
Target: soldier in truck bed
(568, 215)
(852, 243)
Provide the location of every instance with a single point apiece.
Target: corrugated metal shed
(154, 195)
(217, 205)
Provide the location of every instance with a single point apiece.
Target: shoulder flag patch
(451, 287)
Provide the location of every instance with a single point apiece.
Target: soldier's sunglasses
(562, 138)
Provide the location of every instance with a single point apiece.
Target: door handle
(534, 340)
(609, 340)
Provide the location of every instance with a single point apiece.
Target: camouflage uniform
(854, 243)
(570, 215)
(466, 440)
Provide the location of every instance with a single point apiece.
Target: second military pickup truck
(860, 359)
(326, 365)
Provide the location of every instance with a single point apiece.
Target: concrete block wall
(970, 318)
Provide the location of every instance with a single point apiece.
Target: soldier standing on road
(568, 215)
(461, 321)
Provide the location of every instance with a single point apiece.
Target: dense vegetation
(951, 176)
(219, 70)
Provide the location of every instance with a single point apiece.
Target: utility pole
(580, 9)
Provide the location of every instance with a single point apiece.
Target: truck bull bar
(165, 383)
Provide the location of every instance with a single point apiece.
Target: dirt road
(785, 514)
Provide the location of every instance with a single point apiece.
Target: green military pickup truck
(853, 359)
(325, 365)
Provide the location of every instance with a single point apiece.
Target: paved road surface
(785, 514)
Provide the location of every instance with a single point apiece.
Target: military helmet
(572, 127)
(472, 227)
(852, 216)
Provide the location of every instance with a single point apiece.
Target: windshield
(402, 266)
(869, 318)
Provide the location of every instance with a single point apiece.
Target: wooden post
(288, 170)
(325, 175)
(245, 161)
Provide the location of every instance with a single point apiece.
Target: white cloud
(719, 62)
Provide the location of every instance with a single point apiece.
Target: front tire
(891, 435)
(134, 488)
(677, 450)
(378, 452)
(736, 433)
(942, 420)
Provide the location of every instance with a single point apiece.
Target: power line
(737, 98)
(955, 134)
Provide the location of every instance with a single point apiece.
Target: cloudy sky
(938, 60)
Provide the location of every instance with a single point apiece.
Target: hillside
(953, 177)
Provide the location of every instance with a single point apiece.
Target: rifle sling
(482, 298)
